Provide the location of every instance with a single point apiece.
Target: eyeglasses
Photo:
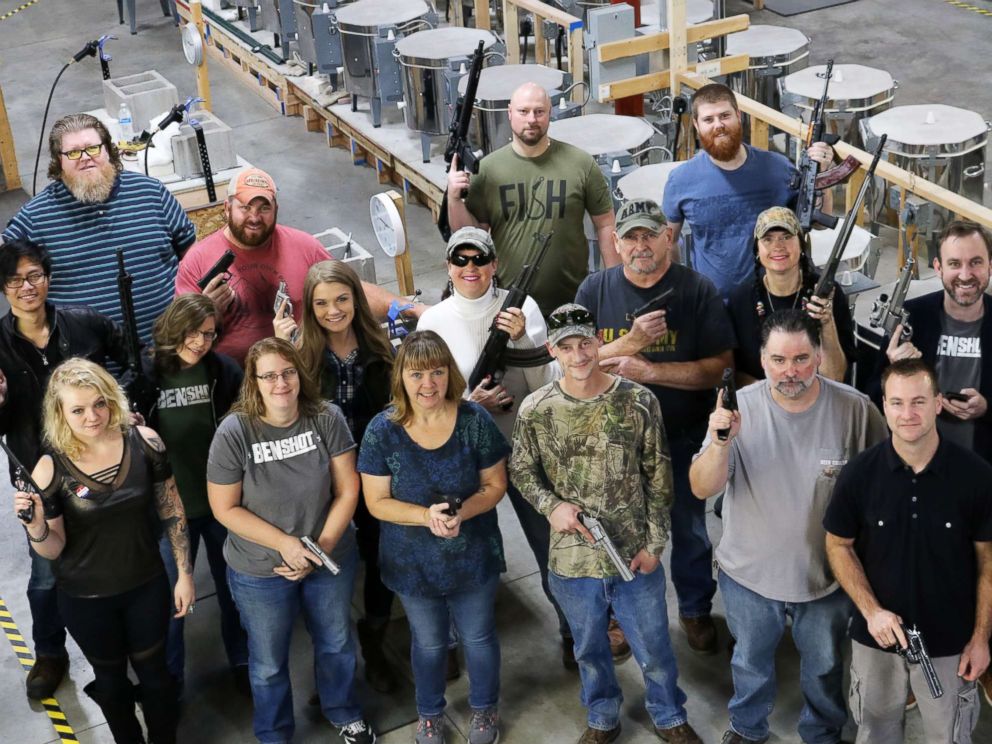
(570, 318)
(781, 238)
(34, 279)
(287, 374)
(207, 336)
(77, 153)
(462, 260)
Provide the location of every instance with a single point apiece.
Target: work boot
(597, 736)
(732, 737)
(701, 634)
(46, 675)
(619, 647)
(681, 734)
(378, 672)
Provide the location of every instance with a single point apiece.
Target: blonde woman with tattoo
(100, 482)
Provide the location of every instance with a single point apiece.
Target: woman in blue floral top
(433, 469)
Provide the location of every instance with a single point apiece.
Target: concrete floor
(937, 51)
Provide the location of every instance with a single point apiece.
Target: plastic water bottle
(127, 126)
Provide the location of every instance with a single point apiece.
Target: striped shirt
(140, 216)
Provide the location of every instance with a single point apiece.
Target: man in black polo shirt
(909, 538)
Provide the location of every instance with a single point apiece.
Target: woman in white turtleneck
(463, 320)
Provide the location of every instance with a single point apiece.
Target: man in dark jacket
(34, 339)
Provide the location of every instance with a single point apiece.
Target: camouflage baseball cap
(640, 213)
(471, 237)
(781, 218)
(570, 320)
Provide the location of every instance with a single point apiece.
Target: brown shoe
(701, 634)
(454, 671)
(985, 685)
(46, 675)
(618, 644)
(910, 700)
(681, 734)
(596, 736)
(732, 737)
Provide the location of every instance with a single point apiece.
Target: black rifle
(825, 287)
(221, 267)
(140, 390)
(23, 482)
(889, 312)
(916, 653)
(806, 209)
(728, 400)
(495, 357)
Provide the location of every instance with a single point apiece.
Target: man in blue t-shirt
(679, 353)
(721, 191)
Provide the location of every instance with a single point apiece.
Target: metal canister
(856, 92)
(647, 182)
(774, 52)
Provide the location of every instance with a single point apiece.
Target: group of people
(294, 442)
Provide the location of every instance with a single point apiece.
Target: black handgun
(221, 267)
(454, 503)
(658, 303)
(23, 482)
(728, 400)
(916, 653)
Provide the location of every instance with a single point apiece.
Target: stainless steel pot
(775, 51)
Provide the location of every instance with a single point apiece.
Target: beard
(793, 389)
(962, 298)
(91, 186)
(239, 233)
(531, 137)
(723, 148)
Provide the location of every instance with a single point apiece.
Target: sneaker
(985, 685)
(732, 737)
(701, 634)
(681, 734)
(619, 647)
(910, 700)
(568, 654)
(46, 675)
(357, 732)
(483, 727)
(430, 730)
(598, 736)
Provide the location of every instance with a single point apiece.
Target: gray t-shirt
(781, 476)
(959, 366)
(285, 479)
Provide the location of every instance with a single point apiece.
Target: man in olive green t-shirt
(530, 187)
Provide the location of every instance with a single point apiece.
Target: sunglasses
(461, 260)
(570, 318)
(91, 150)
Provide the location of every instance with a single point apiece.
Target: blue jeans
(639, 607)
(692, 551)
(818, 627)
(47, 628)
(269, 606)
(213, 534)
(473, 614)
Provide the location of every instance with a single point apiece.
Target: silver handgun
(282, 295)
(603, 542)
(888, 312)
(314, 548)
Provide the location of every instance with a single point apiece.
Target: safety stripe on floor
(968, 6)
(26, 658)
(18, 9)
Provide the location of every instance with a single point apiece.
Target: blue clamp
(101, 43)
(396, 328)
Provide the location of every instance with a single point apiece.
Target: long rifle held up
(140, 391)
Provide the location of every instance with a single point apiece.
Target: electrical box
(609, 23)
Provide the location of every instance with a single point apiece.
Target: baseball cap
(640, 213)
(781, 218)
(570, 320)
(251, 183)
(471, 237)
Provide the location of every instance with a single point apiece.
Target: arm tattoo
(156, 443)
(173, 516)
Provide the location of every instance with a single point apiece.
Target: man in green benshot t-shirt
(532, 186)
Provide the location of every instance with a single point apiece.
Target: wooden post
(678, 47)
(202, 78)
(8, 157)
(511, 32)
(404, 269)
(540, 48)
(482, 15)
(575, 62)
(457, 13)
(759, 134)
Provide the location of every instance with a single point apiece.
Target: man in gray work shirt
(783, 450)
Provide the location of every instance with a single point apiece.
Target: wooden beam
(511, 21)
(8, 156)
(658, 42)
(404, 268)
(457, 13)
(545, 11)
(540, 48)
(660, 80)
(575, 63)
(482, 19)
(678, 46)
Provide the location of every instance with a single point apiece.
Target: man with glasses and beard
(777, 459)
(531, 187)
(92, 208)
(721, 191)
(266, 254)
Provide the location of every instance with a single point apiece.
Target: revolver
(282, 295)
(916, 653)
(603, 542)
(888, 312)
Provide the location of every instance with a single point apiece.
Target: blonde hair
(422, 350)
(80, 373)
(250, 403)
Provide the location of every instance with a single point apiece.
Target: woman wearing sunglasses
(197, 387)
(347, 350)
(281, 469)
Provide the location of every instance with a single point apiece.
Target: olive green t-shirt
(518, 197)
(186, 425)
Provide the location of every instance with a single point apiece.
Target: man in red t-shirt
(266, 253)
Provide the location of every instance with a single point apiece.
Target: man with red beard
(92, 208)
(266, 253)
(721, 191)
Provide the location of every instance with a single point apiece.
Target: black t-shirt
(698, 328)
(111, 531)
(744, 315)
(914, 533)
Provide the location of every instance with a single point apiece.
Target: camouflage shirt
(607, 454)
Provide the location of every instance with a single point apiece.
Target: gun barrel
(314, 548)
(604, 542)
